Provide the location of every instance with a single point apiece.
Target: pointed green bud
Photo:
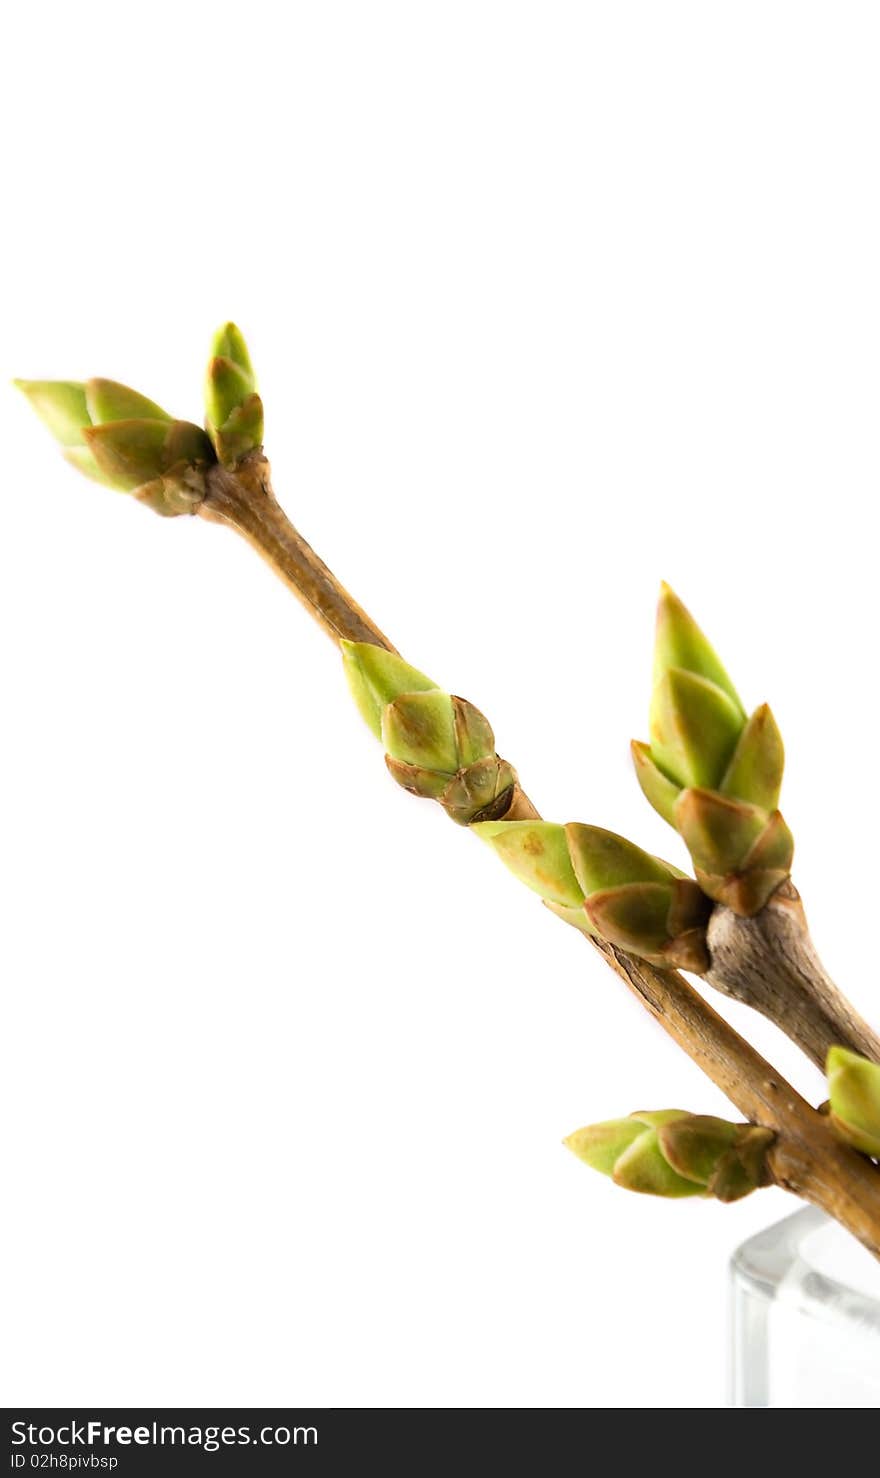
(233, 410)
(474, 739)
(710, 773)
(680, 643)
(437, 731)
(675, 1154)
(118, 437)
(694, 728)
(537, 853)
(657, 788)
(854, 1093)
(601, 1145)
(437, 746)
(226, 388)
(60, 405)
(443, 748)
(644, 1168)
(109, 401)
(228, 343)
(607, 887)
(768, 864)
(601, 859)
(376, 678)
(627, 1151)
(638, 902)
(755, 770)
(419, 729)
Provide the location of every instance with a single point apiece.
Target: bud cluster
(671, 1153)
(712, 772)
(608, 887)
(120, 438)
(437, 746)
(233, 409)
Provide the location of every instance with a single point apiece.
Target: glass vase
(806, 1317)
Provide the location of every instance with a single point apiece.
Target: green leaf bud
(443, 748)
(627, 1150)
(376, 677)
(711, 773)
(233, 410)
(118, 437)
(681, 644)
(854, 1095)
(226, 388)
(755, 770)
(419, 729)
(228, 343)
(637, 901)
(694, 729)
(657, 787)
(608, 887)
(602, 859)
(60, 405)
(537, 853)
(109, 401)
(601, 1145)
(474, 739)
(674, 1154)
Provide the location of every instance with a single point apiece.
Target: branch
(769, 962)
(806, 1158)
(245, 502)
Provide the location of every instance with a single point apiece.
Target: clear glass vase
(806, 1317)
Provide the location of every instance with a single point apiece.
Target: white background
(548, 302)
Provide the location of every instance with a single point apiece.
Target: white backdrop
(547, 302)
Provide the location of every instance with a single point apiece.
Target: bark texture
(769, 962)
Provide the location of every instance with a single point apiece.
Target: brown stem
(770, 963)
(806, 1158)
(246, 503)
